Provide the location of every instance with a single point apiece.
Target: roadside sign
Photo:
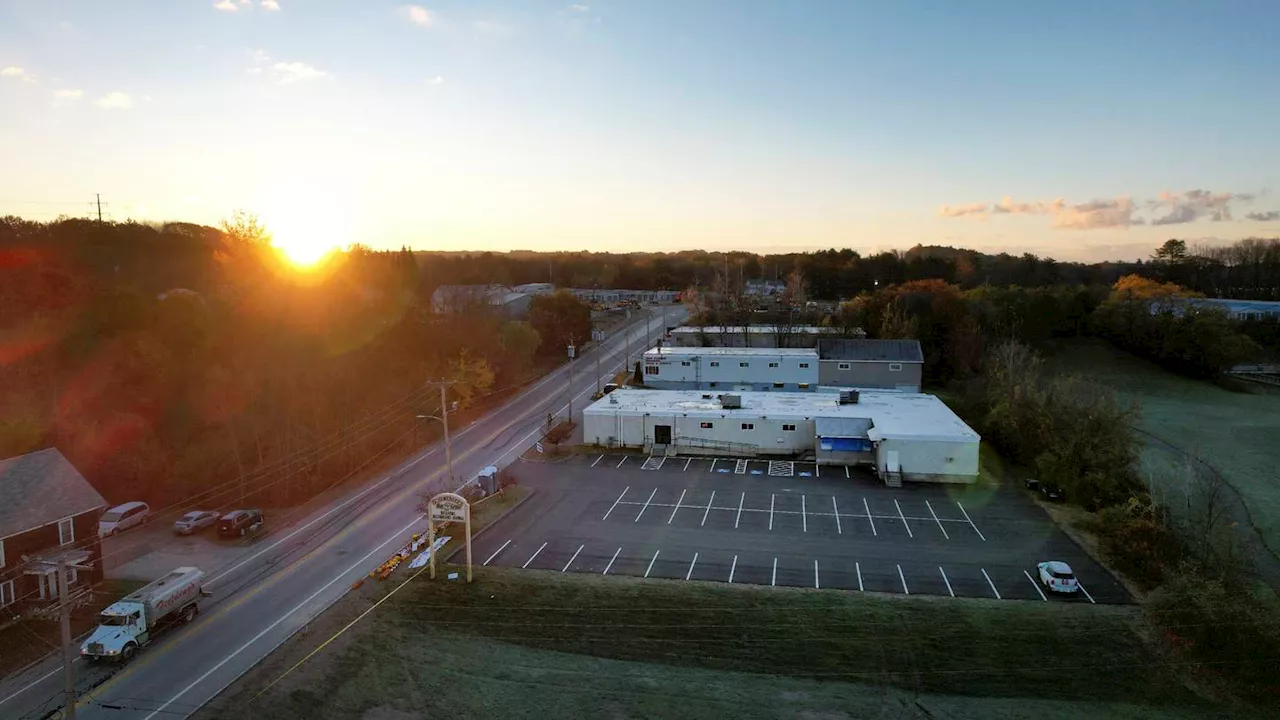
(445, 508)
(538, 446)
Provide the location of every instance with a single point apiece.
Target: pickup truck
(133, 621)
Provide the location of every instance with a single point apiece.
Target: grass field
(533, 644)
(1236, 432)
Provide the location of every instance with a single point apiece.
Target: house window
(6, 593)
(743, 364)
(650, 369)
(66, 532)
(788, 428)
(706, 426)
(895, 367)
(845, 366)
(804, 386)
(773, 364)
(804, 365)
(748, 426)
(715, 363)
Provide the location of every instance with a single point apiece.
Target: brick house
(47, 511)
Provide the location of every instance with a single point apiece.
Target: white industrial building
(731, 369)
(903, 436)
(759, 336)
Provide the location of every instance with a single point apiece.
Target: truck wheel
(189, 615)
(128, 652)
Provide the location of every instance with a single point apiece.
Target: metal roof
(751, 329)
(41, 488)
(681, 351)
(870, 350)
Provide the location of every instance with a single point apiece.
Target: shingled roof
(871, 350)
(40, 488)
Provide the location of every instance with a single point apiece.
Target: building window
(777, 385)
(715, 363)
(743, 364)
(706, 425)
(650, 369)
(748, 426)
(788, 428)
(713, 384)
(6, 593)
(685, 363)
(773, 364)
(66, 532)
(895, 367)
(804, 365)
(804, 386)
(844, 366)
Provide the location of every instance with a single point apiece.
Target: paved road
(295, 574)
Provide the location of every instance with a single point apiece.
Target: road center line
(975, 527)
(677, 507)
(858, 569)
(904, 519)
(804, 518)
(496, 552)
(597, 462)
(615, 502)
(903, 578)
(691, 564)
(615, 557)
(575, 557)
(534, 555)
(646, 505)
(733, 567)
(708, 510)
(836, 510)
(935, 519)
(1035, 585)
(738, 519)
(993, 585)
(652, 561)
(945, 580)
(772, 498)
(873, 522)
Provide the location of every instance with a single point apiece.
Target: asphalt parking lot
(784, 524)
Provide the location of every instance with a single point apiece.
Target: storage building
(889, 364)
(717, 368)
(759, 336)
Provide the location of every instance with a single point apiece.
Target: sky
(1081, 131)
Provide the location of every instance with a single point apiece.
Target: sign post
(448, 508)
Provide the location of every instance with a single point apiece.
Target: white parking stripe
(815, 576)
(836, 510)
(903, 578)
(713, 465)
(935, 519)
(993, 585)
(732, 568)
(904, 518)
(772, 498)
(597, 462)
(624, 459)
(846, 472)
(615, 502)
(858, 569)
(804, 516)
(686, 464)
(1035, 585)
(651, 562)
(708, 510)
(495, 552)
(975, 527)
(1086, 592)
(677, 507)
(575, 557)
(773, 580)
(817, 470)
(646, 505)
(534, 555)
(691, 564)
(945, 580)
(615, 557)
(873, 522)
(739, 518)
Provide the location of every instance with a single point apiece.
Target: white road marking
(691, 564)
(836, 511)
(708, 510)
(615, 557)
(1035, 585)
(624, 459)
(597, 462)
(903, 578)
(686, 464)
(935, 519)
(1086, 592)
(773, 581)
(904, 518)
(817, 470)
(646, 505)
(282, 618)
(873, 522)
(772, 498)
(733, 567)
(713, 465)
(858, 568)
(815, 576)
(615, 502)
(531, 557)
(975, 527)
(846, 472)
(993, 585)
(738, 519)
(677, 507)
(575, 557)
(651, 562)
(804, 517)
(945, 580)
(497, 552)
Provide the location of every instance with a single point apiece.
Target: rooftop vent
(848, 397)
(730, 402)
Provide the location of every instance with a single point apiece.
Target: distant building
(615, 296)
(1240, 309)
(758, 336)
(536, 288)
(862, 363)
(764, 288)
(459, 298)
(718, 368)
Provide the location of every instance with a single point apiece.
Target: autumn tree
(560, 320)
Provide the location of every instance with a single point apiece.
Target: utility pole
(64, 619)
(599, 351)
(571, 353)
(448, 448)
(99, 197)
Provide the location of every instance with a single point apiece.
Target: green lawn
(1236, 432)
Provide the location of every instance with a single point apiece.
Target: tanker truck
(134, 621)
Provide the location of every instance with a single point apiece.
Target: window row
(708, 425)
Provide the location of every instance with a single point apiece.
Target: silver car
(194, 521)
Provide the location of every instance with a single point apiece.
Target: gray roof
(40, 488)
(871, 350)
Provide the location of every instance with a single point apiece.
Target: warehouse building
(888, 364)
(902, 436)
(757, 336)
(731, 369)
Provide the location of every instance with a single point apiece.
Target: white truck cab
(132, 622)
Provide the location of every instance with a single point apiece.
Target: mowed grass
(535, 644)
(1236, 432)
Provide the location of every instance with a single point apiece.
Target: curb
(495, 521)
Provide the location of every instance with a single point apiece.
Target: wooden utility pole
(571, 356)
(68, 653)
(448, 448)
(99, 197)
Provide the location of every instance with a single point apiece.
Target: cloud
(68, 94)
(1095, 214)
(418, 15)
(1169, 209)
(437, 80)
(226, 6)
(18, 73)
(1194, 204)
(975, 209)
(270, 5)
(114, 101)
(579, 8)
(286, 73)
(1008, 207)
(1268, 216)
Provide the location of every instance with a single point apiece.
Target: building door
(662, 434)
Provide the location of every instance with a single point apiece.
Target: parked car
(122, 517)
(239, 523)
(1032, 484)
(1053, 492)
(195, 521)
(610, 387)
(1057, 577)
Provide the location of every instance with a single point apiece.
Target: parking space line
(993, 585)
(1035, 585)
(691, 564)
(846, 472)
(773, 580)
(817, 470)
(708, 510)
(903, 578)
(904, 518)
(615, 502)
(575, 557)
(935, 519)
(651, 562)
(677, 508)
(495, 552)
(624, 459)
(738, 519)
(975, 527)
(945, 580)
(858, 568)
(713, 465)
(836, 509)
(815, 576)
(732, 568)
(873, 522)
(646, 505)
(804, 516)
(615, 557)
(597, 462)
(531, 557)
(1086, 592)
(772, 497)
(686, 464)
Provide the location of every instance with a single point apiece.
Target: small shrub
(1137, 540)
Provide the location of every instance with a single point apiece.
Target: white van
(122, 517)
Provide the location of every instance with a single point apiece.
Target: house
(48, 511)
(877, 364)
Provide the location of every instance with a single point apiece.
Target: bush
(1137, 541)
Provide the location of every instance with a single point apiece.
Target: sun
(306, 233)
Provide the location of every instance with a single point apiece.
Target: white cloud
(68, 94)
(114, 101)
(270, 5)
(579, 8)
(225, 6)
(437, 80)
(977, 210)
(418, 15)
(12, 71)
(286, 73)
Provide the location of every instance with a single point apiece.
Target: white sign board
(448, 508)
(538, 447)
